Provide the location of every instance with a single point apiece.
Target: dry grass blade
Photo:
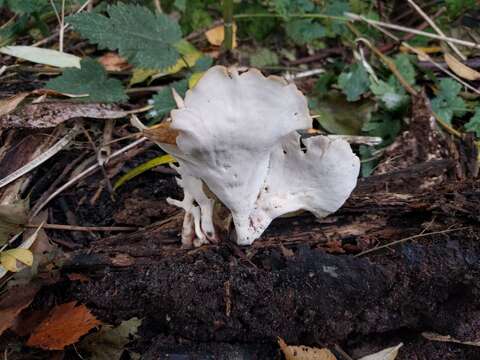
(62, 143)
(412, 31)
(435, 27)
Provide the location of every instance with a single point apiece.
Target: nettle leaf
(448, 104)
(474, 124)
(145, 39)
(163, 101)
(90, 79)
(27, 6)
(354, 82)
(384, 125)
(304, 31)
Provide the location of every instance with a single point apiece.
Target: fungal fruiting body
(236, 135)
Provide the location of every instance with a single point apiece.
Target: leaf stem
(228, 24)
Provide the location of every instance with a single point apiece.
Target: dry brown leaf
(10, 104)
(51, 114)
(162, 133)
(78, 277)
(304, 352)
(11, 304)
(461, 69)
(448, 338)
(216, 35)
(64, 325)
(113, 62)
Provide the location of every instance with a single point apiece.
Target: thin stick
(86, 172)
(62, 27)
(408, 239)
(435, 27)
(83, 228)
(413, 31)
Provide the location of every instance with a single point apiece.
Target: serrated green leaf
(405, 67)
(163, 101)
(91, 79)
(146, 39)
(447, 103)
(140, 169)
(392, 96)
(354, 82)
(473, 125)
(304, 31)
(336, 8)
(27, 6)
(264, 57)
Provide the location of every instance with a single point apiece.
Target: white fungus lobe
(237, 137)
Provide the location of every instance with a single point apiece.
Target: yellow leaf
(9, 258)
(461, 69)
(194, 79)
(189, 57)
(216, 35)
(140, 75)
(160, 160)
(8, 262)
(304, 352)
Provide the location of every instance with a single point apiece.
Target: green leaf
(447, 103)
(474, 124)
(336, 8)
(27, 6)
(405, 67)
(263, 57)
(140, 169)
(163, 101)
(145, 39)
(354, 82)
(304, 31)
(202, 64)
(384, 125)
(90, 79)
(338, 116)
(392, 96)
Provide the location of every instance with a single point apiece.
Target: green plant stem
(228, 24)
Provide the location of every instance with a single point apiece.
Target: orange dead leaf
(162, 133)
(64, 325)
(113, 62)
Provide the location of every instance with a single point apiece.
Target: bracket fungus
(235, 136)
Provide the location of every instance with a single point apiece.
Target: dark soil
(236, 301)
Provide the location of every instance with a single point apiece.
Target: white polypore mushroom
(233, 130)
